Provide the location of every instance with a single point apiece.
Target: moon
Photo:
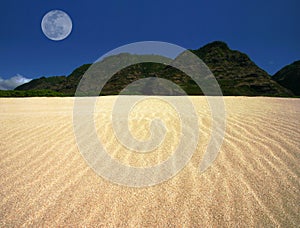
(56, 25)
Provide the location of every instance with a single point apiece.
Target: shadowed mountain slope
(234, 71)
(289, 77)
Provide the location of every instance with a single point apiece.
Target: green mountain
(235, 72)
(64, 85)
(289, 77)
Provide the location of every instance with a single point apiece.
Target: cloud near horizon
(13, 82)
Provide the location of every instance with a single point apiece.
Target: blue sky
(268, 31)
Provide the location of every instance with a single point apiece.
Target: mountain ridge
(289, 77)
(235, 72)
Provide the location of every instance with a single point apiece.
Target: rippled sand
(255, 180)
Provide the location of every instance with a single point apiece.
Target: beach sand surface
(255, 180)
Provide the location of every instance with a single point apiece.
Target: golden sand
(255, 180)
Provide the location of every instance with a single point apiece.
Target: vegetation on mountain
(289, 77)
(236, 74)
(30, 93)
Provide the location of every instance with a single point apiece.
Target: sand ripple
(255, 180)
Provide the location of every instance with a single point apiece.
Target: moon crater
(56, 25)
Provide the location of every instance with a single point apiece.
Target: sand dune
(255, 180)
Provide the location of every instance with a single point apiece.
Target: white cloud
(13, 82)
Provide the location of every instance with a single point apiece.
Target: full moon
(56, 25)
